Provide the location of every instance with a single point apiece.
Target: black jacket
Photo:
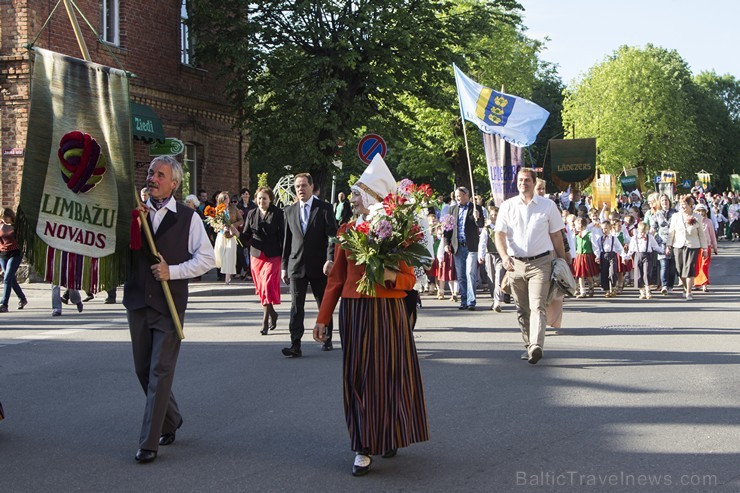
(472, 229)
(305, 255)
(266, 233)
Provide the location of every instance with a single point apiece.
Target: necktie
(304, 217)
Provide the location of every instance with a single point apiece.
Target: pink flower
(406, 187)
(383, 229)
(448, 222)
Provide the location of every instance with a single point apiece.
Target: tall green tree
(637, 103)
(492, 50)
(718, 122)
(305, 74)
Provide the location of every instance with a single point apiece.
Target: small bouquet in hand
(390, 234)
(218, 219)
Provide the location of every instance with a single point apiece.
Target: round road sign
(369, 146)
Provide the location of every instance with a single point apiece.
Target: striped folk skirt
(383, 392)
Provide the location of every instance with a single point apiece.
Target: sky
(582, 32)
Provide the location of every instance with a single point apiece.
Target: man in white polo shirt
(527, 233)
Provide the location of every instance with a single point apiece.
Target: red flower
(424, 189)
(391, 202)
(363, 228)
(691, 221)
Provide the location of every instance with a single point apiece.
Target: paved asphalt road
(630, 396)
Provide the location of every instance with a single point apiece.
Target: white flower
(375, 210)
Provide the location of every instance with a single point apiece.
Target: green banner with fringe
(77, 190)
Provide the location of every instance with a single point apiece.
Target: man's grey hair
(463, 190)
(174, 165)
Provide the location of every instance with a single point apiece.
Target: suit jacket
(305, 255)
(472, 229)
(266, 233)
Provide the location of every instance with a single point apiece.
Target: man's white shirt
(528, 226)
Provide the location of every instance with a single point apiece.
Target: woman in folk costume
(705, 256)
(383, 393)
(225, 247)
(685, 239)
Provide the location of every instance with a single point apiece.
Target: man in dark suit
(308, 256)
(184, 253)
(462, 242)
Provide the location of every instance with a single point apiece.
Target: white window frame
(111, 15)
(190, 162)
(186, 41)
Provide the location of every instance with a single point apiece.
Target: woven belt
(529, 259)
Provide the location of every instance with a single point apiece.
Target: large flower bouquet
(218, 219)
(389, 235)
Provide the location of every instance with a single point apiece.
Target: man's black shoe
(462, 307)
(110, 301)
(143, 456)
(471, 308)
(169, 438)
(292, 352)
(328, 346)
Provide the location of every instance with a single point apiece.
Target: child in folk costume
(584, 266)
(624, 231)
(606, 250)
(446, 265)
(488, 255)
(641, 247)
(434, 226)
(705, 257)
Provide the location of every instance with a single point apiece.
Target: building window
(186, 41)
(189, 170)
(110, 30)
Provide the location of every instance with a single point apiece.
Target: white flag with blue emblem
(515, 119)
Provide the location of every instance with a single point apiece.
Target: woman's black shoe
(273, 322)
(361, 465)
(390, 453)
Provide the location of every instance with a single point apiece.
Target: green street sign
(170, 147)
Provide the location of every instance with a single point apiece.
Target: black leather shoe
(462, 307)
(264, 331)
(328, 346)
(293, 352)
(169, 438)
(110, 301)
(89, 297)
(471, 308)
(390, 453)
(143, 456)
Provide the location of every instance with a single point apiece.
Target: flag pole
(465, 137)
(77, 31)
(144, 223)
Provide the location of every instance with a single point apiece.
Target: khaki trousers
(530, 284)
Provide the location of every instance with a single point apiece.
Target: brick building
(170, 94)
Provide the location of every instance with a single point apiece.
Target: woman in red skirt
(705, 256)
(265, 226)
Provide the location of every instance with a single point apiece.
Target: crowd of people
(507, 251)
